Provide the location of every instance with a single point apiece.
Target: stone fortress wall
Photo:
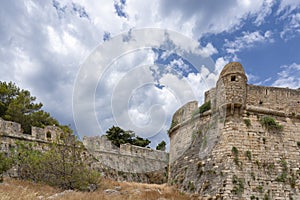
(185, 127)
(10, 132)
(277, 101)
(223, 153)
(227, 153)
(117, 163)
(127, 158)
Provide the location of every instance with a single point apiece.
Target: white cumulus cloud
(289, 76)
(247, 40)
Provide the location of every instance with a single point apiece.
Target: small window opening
(48, 135)
(266, 92)
(233, 78)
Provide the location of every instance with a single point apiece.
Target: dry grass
(16, 189)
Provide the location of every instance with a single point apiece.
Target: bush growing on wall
(161, 146)
(270, 123)
(204, 107)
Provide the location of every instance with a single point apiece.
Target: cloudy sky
(132, 63)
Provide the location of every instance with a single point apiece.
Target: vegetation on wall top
(204, 107)
(19, 106)
(161, 146)
(119, 136)
(270, 124)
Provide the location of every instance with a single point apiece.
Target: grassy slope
(17, 189)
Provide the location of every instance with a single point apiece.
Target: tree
(68, 167)
(63, 165)
(19, 106)
(28, 161)
(138, 141)
(161, 146)
(119, 136)
(8, 91)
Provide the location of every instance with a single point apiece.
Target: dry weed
(25, 190)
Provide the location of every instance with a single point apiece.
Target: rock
(59, 194)
(92, 187)
(118, 188)
(136, 191)
(158, 190)
(111, 191)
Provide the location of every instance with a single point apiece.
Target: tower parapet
(184, 113)
(229, 151)
(231, 90)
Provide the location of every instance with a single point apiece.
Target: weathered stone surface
(130, 163)
(228, 154)
(10, 132)
(111, 191)
(223, 153)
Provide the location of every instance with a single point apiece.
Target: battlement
(184, 113)
(14, 130)
(128, 162)
(128, 158)
(230, 145)
(275, 100)
(101, 144)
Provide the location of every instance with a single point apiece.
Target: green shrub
(62, 165)
(249, 155)
(283, 176)
(5, 164)
(266, 197)
(247, 122)
(292, 181)
(235, 152)
(161, 146)
(270, 123)
(238, 185)
(260, 188)
(191, 186)
(173, 124)
(252, 197)
(28, 161)
(205, 107)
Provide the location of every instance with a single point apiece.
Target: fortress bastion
(246, 146)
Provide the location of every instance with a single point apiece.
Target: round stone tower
(231, 89)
